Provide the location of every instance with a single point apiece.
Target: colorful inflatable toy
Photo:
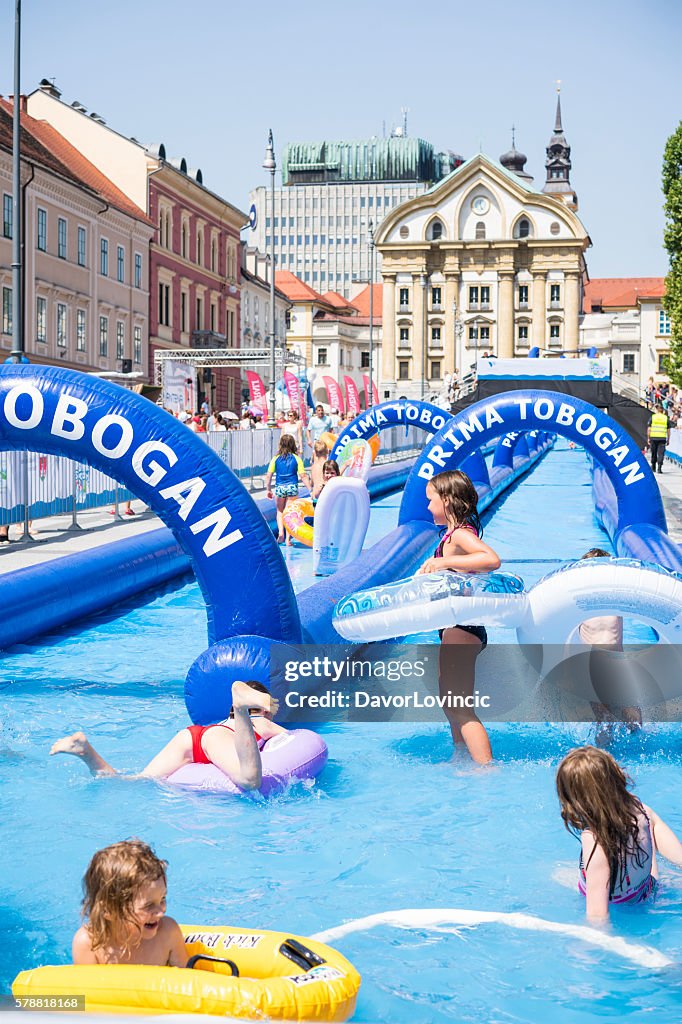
(355, 460)
(341, 521)
(237, 972)
(294, 518)
(289, 757)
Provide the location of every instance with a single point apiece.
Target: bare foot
(280, 538)
(243, 696)
(76, 744)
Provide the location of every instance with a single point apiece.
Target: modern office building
(330, 193)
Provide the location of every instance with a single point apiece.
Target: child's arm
(474, 555)
(81, 948)
(302, 475)
(665, 840)
(177, 955)
(268, 477)
(597, 880)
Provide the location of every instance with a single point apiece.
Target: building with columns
(483, 262)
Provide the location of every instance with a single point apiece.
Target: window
(473, 333)
(41, 319)
(663, 358)
(473, 297)
(80, 330)
(213, 316)
(137, 345)
(663, 322)
(104, 257)
(61, 238)
(435, 297)
(523, 332)
(403, 369)
(214, 254)
(435, 231)
(61, 325)
(120, 263)
(81, 247)
(164, 305)
(523, 295)
(484, 334)
(435, 337)
(523, 228)
(364, 360)
(6, 216)
(554, 332)
(103, 335)
(322, 357)
(42, 230)
(120, 340)
(404, 296)
(6, 310)
(183, 311)
(480, 229)
(341, 355)
(435, 369)
(183, 240)
(200, 315)
(200, 245)
(138, 269)
(628, 362)
(404, 336)
(555, 294)
(485, 295)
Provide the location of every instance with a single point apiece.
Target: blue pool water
(395, 822)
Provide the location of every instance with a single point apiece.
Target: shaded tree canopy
(672, 237)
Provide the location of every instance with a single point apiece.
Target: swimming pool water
(396, 821)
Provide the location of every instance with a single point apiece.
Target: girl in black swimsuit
(453, 504)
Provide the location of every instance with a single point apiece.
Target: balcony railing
(523, 305)
(556, 304)
(404, 307)
(208, 339)
(436, 307)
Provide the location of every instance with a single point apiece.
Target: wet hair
(111, 885)
(333, 465)
(287, 445)
(595, 553)
(593, 793)
(320, 448)
(255, 685)
(459, 498)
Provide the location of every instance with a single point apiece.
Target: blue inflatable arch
(234, 555)
(636, 491)
(402, 411)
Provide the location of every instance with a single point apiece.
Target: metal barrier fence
(34, 486)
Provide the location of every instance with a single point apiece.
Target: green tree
(672, 237)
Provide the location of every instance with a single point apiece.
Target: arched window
(435, 230)
(524, 228)
(480, 229)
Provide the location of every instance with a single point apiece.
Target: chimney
(50, 88)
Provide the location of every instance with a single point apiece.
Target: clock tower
(558, 163)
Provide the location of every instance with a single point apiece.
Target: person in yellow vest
(658, 435)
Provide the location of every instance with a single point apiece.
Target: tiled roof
(297, 290)
(43, 143)
(361, 301)
(616, 292)
(338, 301)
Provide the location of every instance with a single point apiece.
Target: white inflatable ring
(340, 526)
(430, 601)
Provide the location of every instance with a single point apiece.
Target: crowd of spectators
(669, 398)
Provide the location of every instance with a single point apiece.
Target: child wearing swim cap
(124, 904)
(619, 835)
(453, 503)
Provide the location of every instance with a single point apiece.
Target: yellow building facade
(481, 263)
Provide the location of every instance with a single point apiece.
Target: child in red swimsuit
(232, 745)
(453, 503)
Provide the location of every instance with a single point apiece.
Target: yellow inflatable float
(296, 511)
(237, 973)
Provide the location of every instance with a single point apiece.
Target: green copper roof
(392, 159)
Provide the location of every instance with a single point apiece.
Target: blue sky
(209, 79)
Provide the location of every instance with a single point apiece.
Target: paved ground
(52, 539)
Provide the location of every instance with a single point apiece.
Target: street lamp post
(422, 283)
(370, 396)
(17, 353)
(270, 164)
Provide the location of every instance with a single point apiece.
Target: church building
(483, 262)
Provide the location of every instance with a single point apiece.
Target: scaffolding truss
(233, 358)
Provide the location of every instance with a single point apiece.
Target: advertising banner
(258, 394)
(352, 396)
(334, 394)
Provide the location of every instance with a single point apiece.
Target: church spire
(558, 162)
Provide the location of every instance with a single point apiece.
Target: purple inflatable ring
(288, 757)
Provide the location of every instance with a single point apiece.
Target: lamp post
(422, 284)
(270, 164)
(17, 353)
(370, 235)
